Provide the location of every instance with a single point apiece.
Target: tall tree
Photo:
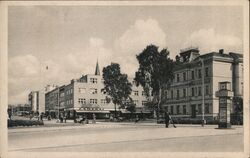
(116, 85)
(155, 73)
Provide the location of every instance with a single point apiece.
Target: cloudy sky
(70, 39)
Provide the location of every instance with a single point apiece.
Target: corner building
(85, 95)
(185, 96)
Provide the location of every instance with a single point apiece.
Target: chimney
(221, 51)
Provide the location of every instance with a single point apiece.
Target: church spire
(97, 71)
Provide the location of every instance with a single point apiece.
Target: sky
(70, 39)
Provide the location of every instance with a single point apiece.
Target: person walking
(41, 117)
(137, 119)
(171, 121)
(167, 119)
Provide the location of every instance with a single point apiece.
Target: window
(103, 101)
(133, 82)
(199, 91)
(144, 103)
(61, 103)
(199, 109)
(93, 91)
(192, 75)
(199, 73)
(193, 91)
(178, 109)
(136, 93)
(206, 71)
(93, 101)
(136, 102)
(93, 80)
(184, 76)
(184, 93)
(62, 94)
(184, 109)
(82, 90)
(68, 102)
(206, 108)
(166, 93)
(69, 91)
(172, 109)
(172, 94)
(166, 108)
(177, 94)
(207, 90)
(103, 91)
(178, 77)
(81, 101)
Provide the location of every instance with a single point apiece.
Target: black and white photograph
(120, 78)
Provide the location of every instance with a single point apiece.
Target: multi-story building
(200, 74)
(36, 99)
(85, 95)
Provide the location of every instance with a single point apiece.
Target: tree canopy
(155, 71)
(116, 84)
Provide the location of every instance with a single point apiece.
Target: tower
(97, 71)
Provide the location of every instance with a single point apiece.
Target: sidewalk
(53, 125)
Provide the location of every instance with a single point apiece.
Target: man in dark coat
(167, 119)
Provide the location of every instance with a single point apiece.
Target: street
(126, 137)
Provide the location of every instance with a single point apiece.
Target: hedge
(15, 123)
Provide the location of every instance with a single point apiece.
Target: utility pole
(203, 95)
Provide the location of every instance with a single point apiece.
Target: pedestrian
(171, 121)
(167, 119)
(41, 117)
(137, 119)
(65, 118)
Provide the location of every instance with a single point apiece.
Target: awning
(80, 111)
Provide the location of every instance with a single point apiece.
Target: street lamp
(203, 95)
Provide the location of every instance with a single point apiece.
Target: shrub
(15, 123)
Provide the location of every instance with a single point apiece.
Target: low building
(19, 109)
(196, 75)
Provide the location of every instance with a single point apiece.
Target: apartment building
(200, 74)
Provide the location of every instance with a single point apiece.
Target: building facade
(196, 79)
(86, 93)
(19, 109)
(36, 99)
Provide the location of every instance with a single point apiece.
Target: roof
(231, 56)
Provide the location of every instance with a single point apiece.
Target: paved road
(126, 137)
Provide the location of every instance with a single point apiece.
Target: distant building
(85, 95)
(19, 109)
(37, 99)
(34, 101)
(184, 97)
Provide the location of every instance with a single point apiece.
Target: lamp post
(203, 95)
(58, 103)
